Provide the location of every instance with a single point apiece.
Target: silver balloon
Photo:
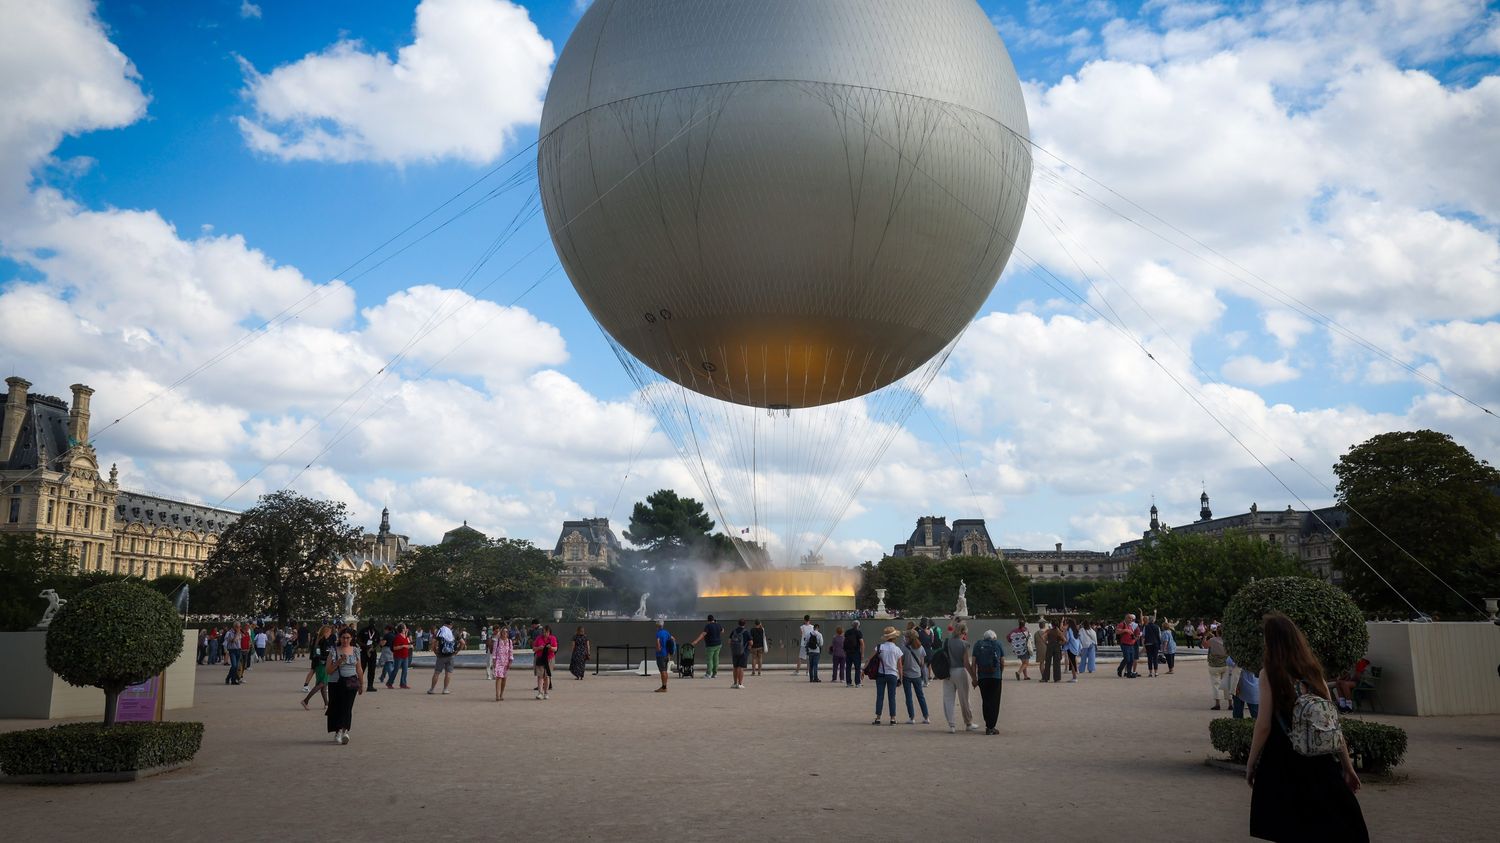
(784, 203)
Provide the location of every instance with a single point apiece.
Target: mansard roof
(135, 507)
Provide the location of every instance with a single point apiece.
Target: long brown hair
(1288, 658)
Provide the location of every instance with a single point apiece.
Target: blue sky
(1340, 154)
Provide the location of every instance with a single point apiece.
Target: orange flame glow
(823, 582)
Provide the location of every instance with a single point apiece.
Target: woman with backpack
(887, 669)
(914, 674)
(1299, 767)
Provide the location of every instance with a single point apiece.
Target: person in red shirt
(401, 651)
(544, 648)
(1125, 634)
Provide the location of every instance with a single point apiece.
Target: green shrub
(96, 748)
(1375, 747)
(1232, 737)
(113, 636)
(1333, 624)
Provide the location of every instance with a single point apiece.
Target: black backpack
(940, 664)
(812, 642)
(987, 656)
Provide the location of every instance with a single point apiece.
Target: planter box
(32, 691)
(1436, 668)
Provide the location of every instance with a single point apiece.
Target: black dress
(1302, 798)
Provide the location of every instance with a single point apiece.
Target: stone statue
(349, 594)
(962, 609)
(53, 604)
(640, 612)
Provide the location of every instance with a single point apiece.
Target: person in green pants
(712, 637)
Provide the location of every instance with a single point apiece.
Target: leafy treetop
(1418, 493)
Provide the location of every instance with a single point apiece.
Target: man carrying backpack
(814, 647)
(444, 645)
(739, 652)
(989, 666)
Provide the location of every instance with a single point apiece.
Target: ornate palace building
(52, 489)
(581, 545)
(1307, 535)
(156, 535)
(50, 474)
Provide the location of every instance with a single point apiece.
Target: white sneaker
(952, 729)
(538, 694)
(446, 691)
(345, 738)
(305, 689)
(910, 721)
(544, 696)
(1073, 680)
(972, 727)
(338, 737)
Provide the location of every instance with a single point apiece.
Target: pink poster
(140, 702)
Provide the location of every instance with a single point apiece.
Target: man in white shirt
(805, 630)
(443, 647)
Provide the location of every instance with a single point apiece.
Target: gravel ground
(783, 759)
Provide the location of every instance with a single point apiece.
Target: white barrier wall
(1436, 668)
(32, 690)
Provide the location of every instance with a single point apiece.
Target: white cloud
(59, 75)
(1253, 371)
(249, 10)
(474, 74)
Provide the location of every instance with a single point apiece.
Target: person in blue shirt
(663, 653)
(1246, 693)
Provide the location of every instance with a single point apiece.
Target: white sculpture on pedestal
(53, 604)
(640, 612)
(962, 609)
(349, 594)
(880, 610)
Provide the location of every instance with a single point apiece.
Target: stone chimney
(15, 415)
(78, 416)
(1059, 547)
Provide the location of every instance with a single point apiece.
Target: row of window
(172, 549)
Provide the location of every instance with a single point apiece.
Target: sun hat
(890, 633)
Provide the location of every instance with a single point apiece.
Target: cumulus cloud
(59, 75)
(1253, 371)
(249, 10)
(473, 75)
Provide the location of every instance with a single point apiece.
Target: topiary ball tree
(1333, 624)
(113, 636)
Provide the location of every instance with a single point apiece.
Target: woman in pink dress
(501, 655)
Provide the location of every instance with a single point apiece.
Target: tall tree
(1189, 575)
(1418, 493)
(285, 550)
(472, 577)
(670, 529)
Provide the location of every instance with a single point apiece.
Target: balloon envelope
(784, 203)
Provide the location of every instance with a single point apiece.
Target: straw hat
(890, 633)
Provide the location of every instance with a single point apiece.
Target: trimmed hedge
(1375, 747)
(112, 636)
(95, 748)
(1333, 624)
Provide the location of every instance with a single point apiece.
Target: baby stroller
(685, 661)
